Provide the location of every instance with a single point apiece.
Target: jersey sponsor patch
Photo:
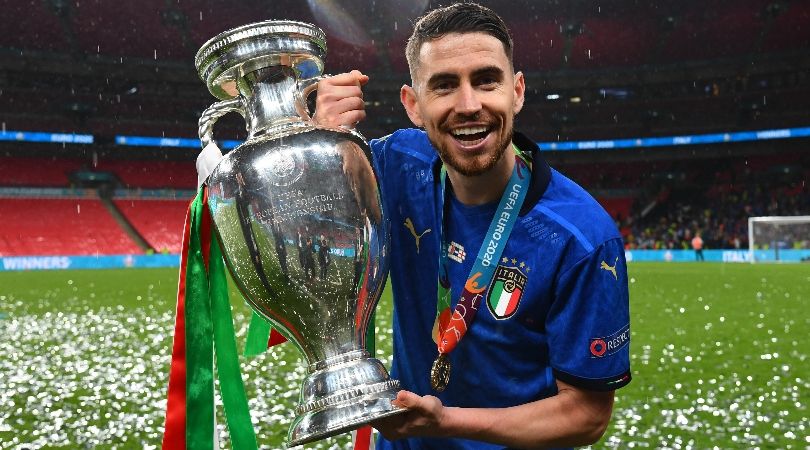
(455, 251)
(610, 269)
(506, 291)
(417, 236)
(605, 346)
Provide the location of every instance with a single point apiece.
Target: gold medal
(440, 373)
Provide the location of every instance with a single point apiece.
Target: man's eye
(488, 81)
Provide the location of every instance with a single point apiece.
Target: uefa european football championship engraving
(298, 212)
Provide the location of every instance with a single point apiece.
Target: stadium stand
(623, 69)
(612, 42)
(151, 174)
(159, 221)
(144, 34)
(31, 25)
(38, 171)
(60, 226)
(789, 30)
(716, 200)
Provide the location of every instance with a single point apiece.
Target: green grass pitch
(719, 360)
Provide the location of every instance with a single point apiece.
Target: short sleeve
(378, 153)
(589, 321)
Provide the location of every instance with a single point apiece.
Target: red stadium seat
(39, 172)
(143, 33)
(30, 25)
(159, 222)
(611, 42)
(60, 227)
(152, 174)
(790, 29)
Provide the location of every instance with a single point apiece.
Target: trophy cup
(300, 221)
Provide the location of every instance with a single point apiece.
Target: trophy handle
(210, 116)
(308, 86)
(305, 87)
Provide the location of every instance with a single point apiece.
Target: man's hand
(340, 100)
(572, 418)
(423, 417)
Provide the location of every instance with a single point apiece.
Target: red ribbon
(174, 436)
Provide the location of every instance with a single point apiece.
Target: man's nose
(467, 101)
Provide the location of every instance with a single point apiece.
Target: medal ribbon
(449, 328)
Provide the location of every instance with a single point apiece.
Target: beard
(473, 165)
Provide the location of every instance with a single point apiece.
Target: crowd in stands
(719, 212)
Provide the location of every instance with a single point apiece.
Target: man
(697, 245)
(535, 330)
(323, 257)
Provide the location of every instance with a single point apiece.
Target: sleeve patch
(608, 345)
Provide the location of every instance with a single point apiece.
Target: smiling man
(508, 330)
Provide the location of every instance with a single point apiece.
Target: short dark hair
(456, 18)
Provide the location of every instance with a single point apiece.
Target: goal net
(779, 238)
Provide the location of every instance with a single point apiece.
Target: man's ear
(520, 91)
(407, 95)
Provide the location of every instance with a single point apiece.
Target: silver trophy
(298, 213)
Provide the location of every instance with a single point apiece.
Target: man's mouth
(469, 136)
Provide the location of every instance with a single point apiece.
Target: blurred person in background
(697, 245)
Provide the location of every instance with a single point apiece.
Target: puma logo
(611, 269)
(416, 236)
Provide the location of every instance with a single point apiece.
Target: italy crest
(505, 291)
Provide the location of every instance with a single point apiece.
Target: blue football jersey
(556, 308)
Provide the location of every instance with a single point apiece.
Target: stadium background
(678, 117)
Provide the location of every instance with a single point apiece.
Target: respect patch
(605, 346)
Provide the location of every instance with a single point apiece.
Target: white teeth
(468, 131)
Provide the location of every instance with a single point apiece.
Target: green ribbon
(199, 341)
(234, 399)
(371, 335)
(209, 328)
(258, 335)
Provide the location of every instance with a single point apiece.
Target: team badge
(455, 251)
(506, 291)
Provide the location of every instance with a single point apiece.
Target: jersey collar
(541, 172)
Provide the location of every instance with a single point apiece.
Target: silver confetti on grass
(99, 379)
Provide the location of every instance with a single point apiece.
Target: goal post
(779, 238)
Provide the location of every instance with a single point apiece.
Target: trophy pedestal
(341, 394)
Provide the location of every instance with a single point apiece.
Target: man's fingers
(347, 118)
(346, 104)
(351, 118)
(336, 92)
(340, 99)
(353, 78)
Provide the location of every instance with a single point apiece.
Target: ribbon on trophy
(204, 327)
(261, 336)
(204, 323)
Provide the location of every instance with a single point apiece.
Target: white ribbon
(206, 162)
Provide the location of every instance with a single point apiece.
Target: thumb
(406, 399)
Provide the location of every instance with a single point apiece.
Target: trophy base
(343, 394)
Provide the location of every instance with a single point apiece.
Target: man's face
(465, 95)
